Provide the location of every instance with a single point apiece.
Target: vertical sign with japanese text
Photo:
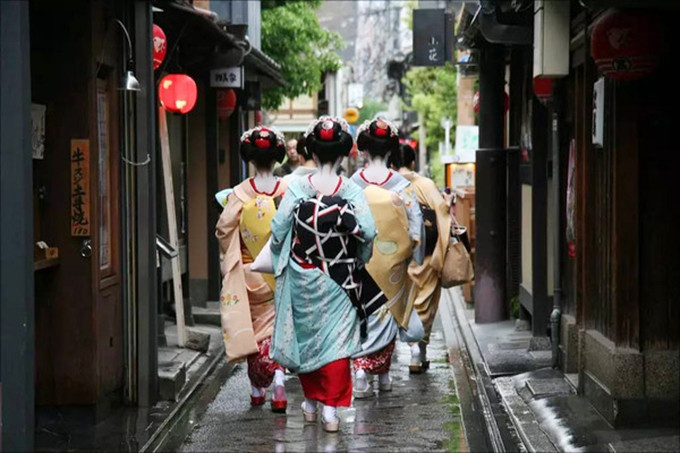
(80, 187)
(432, 37)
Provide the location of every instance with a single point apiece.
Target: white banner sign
(227, 77)
(467, 142)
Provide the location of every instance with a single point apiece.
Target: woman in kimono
(386, 284)
(321, 234)
(425, 276)
(247, 298)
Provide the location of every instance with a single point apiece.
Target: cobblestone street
(420, 414)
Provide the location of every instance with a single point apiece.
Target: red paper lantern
(626, 45)
(475, 102)
(160, 46)
(543, 88)
(226, 103)
(177, 93)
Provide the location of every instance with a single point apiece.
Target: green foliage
(433, 93)
(514, 304)
(369, 109)
(456, 441)
(292, 36)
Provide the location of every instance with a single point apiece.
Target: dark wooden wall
(657, 104)
(60, 61)
(78, 323)
(627, 264)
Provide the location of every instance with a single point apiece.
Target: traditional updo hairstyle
(403, 157)
(379, 137)
(328, 139)
(262, 146)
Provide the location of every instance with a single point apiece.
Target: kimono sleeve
(415, 216)
(364, 218)
(226, 231)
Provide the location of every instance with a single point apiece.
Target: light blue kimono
(315, 322)
(382, 327)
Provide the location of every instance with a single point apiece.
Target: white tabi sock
(360, 380)
(330, 413)
(279, 378)
(256, 391)
(384, 379)
(309, 406)
(415, 351)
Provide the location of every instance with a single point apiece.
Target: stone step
(210, 315)
(171, 379)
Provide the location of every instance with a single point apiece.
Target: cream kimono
(246, 298)
(426, 276)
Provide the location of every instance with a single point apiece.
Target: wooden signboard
(80, 187)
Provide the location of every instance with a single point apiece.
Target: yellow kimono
(246, 298)
(426, 276)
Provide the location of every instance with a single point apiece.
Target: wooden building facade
(598, 276)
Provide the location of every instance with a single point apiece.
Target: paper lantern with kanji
(226, 103)
(160, 46)
(626, 45)
(543, 88)
(177, 93)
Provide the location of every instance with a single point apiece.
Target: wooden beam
(626, 276)
(172, 226)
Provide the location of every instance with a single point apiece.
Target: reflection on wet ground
(418, 415)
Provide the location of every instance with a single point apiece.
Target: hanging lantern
(475, 102)
(177, 93)
(226, 103)
(543, 88)
(626, 45)
(160, 46)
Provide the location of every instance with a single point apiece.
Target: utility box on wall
(598, 112)
(551, 38)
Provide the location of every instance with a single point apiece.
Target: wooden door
(106, 256)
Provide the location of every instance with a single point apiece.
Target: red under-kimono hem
(331, 384)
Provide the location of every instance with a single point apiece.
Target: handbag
(415, 331)
(457, 268)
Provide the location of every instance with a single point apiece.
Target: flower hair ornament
(329, 138)
(328, 120)
(277, 133)
(382, 124)
(262, 145)
(379, 137)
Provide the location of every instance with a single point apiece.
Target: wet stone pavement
(419, 414)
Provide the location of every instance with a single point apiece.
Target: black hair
(262, 157)
(403, 157)
(301, 148)
(370, 141)
(329, 149)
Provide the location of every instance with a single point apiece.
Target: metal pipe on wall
(556, 314)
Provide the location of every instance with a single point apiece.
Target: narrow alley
(420, 414)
